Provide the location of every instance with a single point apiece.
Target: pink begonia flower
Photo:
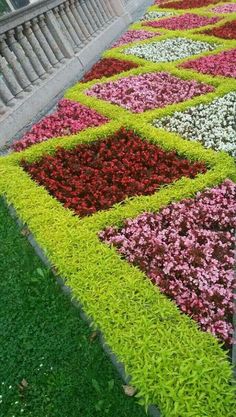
(132, 36)
(187, 250)
(148, 91)
(70, 118)
(185, 21)
(223, 64)
(225, 8)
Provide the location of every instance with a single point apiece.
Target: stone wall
(46, 46)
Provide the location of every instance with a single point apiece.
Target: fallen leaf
(54, 271)
(129, 390)
(25, 231)
(93, 336)
(23, 385)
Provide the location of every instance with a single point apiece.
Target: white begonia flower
(170, 50)
(214, 124)
(156, 15)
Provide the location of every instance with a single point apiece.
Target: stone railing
(46, 46)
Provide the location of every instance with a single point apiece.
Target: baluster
(99, 5)
(3, 108)
(14, 64)
(94, 11)
(74, 24)
(55, 26)
(109, 7)
(22, 58)
(89, 14)
(44, 44)
(5, 93)
(60, 19)
(9, 76)
(30, 33)
(84, 31)
(69, 28)
(108, 10)
(84, 13)
(29, 52)
(48, 36)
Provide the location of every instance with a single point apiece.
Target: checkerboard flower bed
(214, 124)
(225, 8)
(223, 64)
(148, 91)
(189, 4)
(188, 251)
(186, 21)
(94, 177)
(169, 50)
(227, 31)
(70, 118)
(108, 67)
(141, 151)
(133, 36)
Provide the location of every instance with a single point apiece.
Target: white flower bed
(214, 125)
(156, 15)
(170, 49)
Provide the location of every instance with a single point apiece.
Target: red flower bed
(189, 4)
(70, 118)
(108, 67)
(93, 177)
(227, 31)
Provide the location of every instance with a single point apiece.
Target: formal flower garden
(129, 189)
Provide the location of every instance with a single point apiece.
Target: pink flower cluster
(188, 251)
(225, 8)
(186, 21)
(148, 91)
(220, 64)
(160, 2)
(132, 36)
(70, 118)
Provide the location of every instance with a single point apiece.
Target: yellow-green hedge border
(173, 364)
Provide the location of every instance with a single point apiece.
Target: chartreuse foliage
(172, 362)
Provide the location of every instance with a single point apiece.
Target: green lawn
(45, 344)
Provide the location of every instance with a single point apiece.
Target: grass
(50, 364)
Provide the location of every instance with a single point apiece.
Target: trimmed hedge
(171, 361)
(157, 343)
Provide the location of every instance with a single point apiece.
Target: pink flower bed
(186, 21)
(148, 91)
(187, 249)
(132, 36)
(70, 118)
(220, 64)
(226, 8)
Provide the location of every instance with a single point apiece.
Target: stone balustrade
(46, 46)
